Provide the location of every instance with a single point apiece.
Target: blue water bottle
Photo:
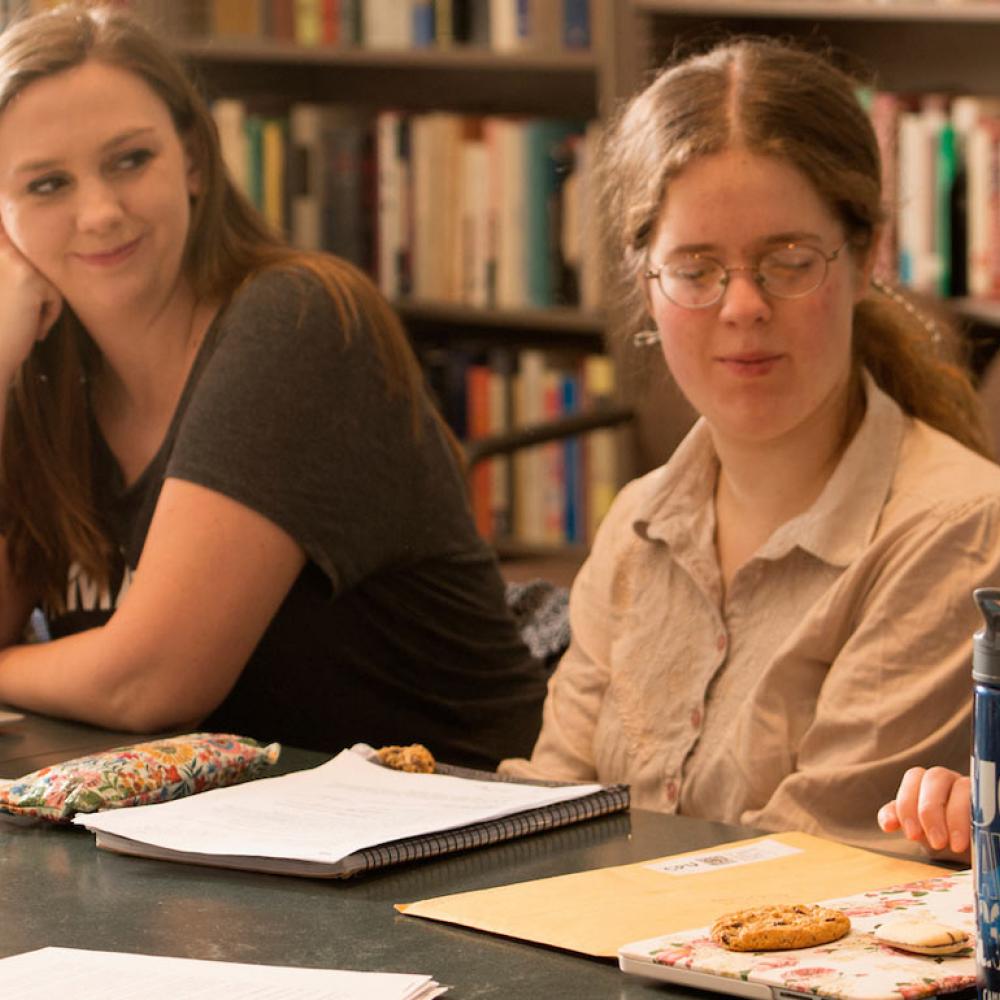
(985, 818)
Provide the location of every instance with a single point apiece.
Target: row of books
(499, 25)
(503, 25)
(941, 173)
(489, 211)
(549, 494)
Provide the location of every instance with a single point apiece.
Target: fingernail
(937, 837)
(912, 829)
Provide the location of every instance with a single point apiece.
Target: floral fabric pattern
(857, 967)
(136, 775)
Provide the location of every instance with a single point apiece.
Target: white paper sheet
(7, 716)
(325, 813)
(103, 975)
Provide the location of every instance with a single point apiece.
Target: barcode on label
(748, 854)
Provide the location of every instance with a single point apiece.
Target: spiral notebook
(857, 967)
(347, 817)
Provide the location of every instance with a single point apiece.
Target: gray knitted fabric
(541, 611)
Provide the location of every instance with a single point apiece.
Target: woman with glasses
(774, 625)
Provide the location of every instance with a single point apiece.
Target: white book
(386, 24)
(919, 266)
(229, 115)
(512, 278)
(473, 255)
(530, 464)
(504, 25)
(436, 217)
(391, 226)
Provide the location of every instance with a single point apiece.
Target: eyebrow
(772, 239)
(32, 166)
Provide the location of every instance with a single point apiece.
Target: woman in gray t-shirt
(221, 475)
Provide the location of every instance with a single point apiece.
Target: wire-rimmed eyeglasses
(697, 281)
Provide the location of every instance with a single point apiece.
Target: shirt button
(671, 790)
(695, 718)
(720, 643)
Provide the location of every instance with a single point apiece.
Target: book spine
(576, 24)
(572, 463)
(305, 176)
(273, 152)
(478, 424)
(308, 22)
(425, 18)
(945, 176)
(283, 20)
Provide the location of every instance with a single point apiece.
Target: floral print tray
(856, 967)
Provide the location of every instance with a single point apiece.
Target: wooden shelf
(846, 10)
(983, 311)
(468, 57)
(559, 84)
(557, 319)
(910, 46)
(447, 325)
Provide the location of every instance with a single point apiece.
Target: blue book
(523, 18)
(548, 160)
(576, 24)
(423, 24)
(572, 463)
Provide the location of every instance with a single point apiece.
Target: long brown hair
(49, 517)
(775, 99)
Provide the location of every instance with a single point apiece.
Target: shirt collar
(837, 526)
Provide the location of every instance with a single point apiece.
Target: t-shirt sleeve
(292, 417)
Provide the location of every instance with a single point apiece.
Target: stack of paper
(98, 975)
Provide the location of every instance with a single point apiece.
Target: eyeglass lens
(787, 272)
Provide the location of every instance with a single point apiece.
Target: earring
(646, 338)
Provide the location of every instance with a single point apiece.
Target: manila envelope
(596, 912)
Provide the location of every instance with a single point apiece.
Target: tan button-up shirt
(839, 657)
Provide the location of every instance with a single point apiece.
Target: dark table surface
(56, 888)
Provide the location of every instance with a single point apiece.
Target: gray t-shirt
(396, 631)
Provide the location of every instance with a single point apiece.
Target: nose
(99, 208)
(743, 299)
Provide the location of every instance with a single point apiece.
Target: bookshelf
(530, 81)
(947, 45)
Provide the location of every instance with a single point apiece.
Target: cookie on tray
(923, 937)
(774, 928)
(415, 758)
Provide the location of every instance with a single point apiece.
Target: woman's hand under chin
(934, 808)
(29, 305)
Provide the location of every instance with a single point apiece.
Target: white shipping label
(729, 857)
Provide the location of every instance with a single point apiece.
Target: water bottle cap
(986, 642)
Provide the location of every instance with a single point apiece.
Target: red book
(477, 388)
(331, 22)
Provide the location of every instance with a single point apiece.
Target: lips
(113, 255)
(749, 364)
